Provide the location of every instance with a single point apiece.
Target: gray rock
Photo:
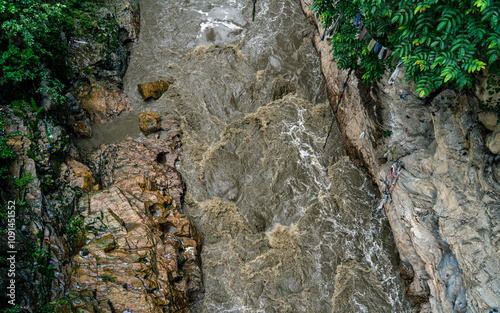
(445, 212)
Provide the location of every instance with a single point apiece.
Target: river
(288, 226)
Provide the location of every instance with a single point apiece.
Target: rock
(79, 175)
(94, 58)
(82, 129)
(493, 141)
(85, 53)
(444, 209)
(103, 102)
(149, 122)
(127, 16)
(153, 159)
(153, 89)
(489, 120)
(140, 252)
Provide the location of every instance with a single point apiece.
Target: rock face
(152, 90)
(127, 15)
(493, 141)
(149, 122)
(100, 61)
(44, 200)
(445, 208)
(139, 253)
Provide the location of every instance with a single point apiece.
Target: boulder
(103, 102)
(489, 120)
(152, 158)
(82, 129)
(153, 89)
(149, 122)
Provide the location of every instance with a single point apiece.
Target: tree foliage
(439, 41)
(33, 44)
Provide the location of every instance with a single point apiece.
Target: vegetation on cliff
(35, 75)
(439, 42)
(35, 69)
(34, 51)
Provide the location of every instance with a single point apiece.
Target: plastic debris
(395, 74)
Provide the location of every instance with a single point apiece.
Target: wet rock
(82, 129)
(103, 102)
(153, 158)
(85, 53)
(127, 16)
(45, 207)
(493, 141)
(149, 122)
(140, 252)
(78, 175)
(100, 54)
(153, 89)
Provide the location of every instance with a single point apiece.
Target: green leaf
(493, 58)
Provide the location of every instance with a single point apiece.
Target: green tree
(32, 46)
(439, 41)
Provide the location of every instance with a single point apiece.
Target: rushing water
(288, 226)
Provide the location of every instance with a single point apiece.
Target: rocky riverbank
(140, 252)
(100, 232)
(445, 209)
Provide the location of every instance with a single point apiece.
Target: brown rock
(149, 122)
(82, 129)
(80, 176)
(151, 163)
(16, 143)
(102, 102)
(140, 253)
(153, 89)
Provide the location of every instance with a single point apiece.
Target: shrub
(438, 41)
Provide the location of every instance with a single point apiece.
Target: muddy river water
(288, 226)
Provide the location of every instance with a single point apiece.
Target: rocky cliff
(104, 238)
(444, 208)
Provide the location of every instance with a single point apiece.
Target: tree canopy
(34, 44)
(439, 41)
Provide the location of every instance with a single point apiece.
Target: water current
(287, 226)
